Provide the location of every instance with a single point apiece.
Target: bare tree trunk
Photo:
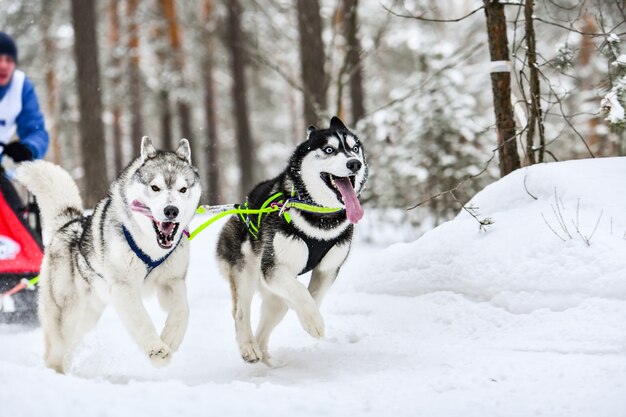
(134, 78)
(51, 102)
(88, 80)
(49, 51)
(168, 8)
(355, 68)
(167, 136)
(297, 130)
(212, 141)
(312, 60)
(184, 114)
(184, 118)
(239, 92)
(117, 139)
(536, 113)
(598, 139)
(163, 58)
(114, 39)
(501, 87)
(339, 25)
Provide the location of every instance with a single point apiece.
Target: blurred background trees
(243, 79)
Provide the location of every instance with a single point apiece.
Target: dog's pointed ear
(310, 130)
(336, 123)
(184, 150)
(147, 149)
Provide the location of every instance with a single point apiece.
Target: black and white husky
(327, 170)
(132, 243)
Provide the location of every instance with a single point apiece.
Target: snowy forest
(487, 277)
(227, 75)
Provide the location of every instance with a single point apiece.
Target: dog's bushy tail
(56, 192)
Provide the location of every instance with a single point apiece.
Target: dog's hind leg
(53, 337)
(243, 286)
(51, 317)
(85, 319)
(59, 334)
(173, 298)
(273, 311)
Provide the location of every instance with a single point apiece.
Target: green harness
(272, 204)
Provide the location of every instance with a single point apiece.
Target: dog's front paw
(250, 352)
(313, 323)
(160, 355)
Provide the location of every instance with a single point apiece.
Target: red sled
(20, 258)
(19, 252)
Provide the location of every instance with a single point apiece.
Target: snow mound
(558, 238)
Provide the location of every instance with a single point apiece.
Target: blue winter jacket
(31, 127)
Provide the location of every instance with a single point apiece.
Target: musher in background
(19, 112)
(20, 243)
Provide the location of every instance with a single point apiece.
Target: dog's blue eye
(329, 149)
(155, 188)
(356, 148)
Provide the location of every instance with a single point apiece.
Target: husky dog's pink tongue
(165, 227)
(139, 207)
(354, 211)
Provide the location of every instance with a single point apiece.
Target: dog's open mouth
(165, 231)
(343, 187)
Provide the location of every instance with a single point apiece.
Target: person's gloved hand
(18, 152)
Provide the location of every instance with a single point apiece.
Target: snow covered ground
(509, 322)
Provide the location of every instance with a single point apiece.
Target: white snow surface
(513, 321)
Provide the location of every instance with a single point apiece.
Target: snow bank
(520, 263)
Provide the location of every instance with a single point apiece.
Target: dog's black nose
(354, 165)
(170, 212)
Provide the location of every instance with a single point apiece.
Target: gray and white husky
(327, 170)
(132, 243)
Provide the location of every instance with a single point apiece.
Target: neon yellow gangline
(228, 213)
(264, 209)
